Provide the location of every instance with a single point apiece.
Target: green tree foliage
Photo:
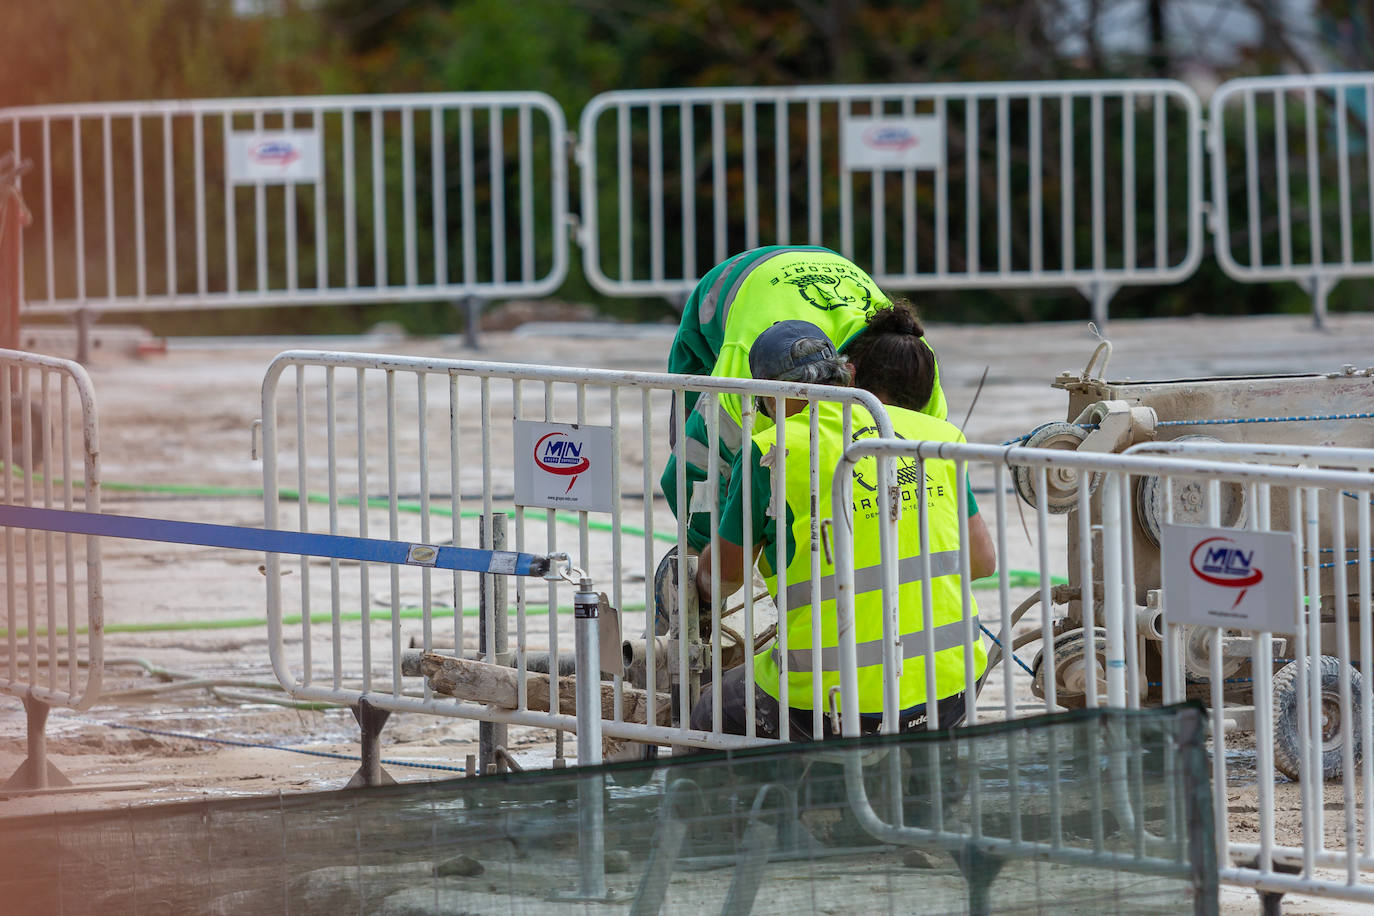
(96, 50)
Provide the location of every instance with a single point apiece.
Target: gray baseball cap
(771, 355)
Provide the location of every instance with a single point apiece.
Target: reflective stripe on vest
(870, 578)
(870, 652)
(706, 311)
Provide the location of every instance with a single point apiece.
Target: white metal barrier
(426, 448)
(52, 651)
(218, 203)
(958, 186)
(1115, 643)
(1293, 180)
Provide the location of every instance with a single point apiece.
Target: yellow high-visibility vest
(942, 507)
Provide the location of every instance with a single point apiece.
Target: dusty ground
(184, 418)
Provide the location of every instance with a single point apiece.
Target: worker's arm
(982, 551)
(732, 569)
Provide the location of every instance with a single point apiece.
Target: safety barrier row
(403, 443)
(1159, 613)
(220, 203)
(1092, 185)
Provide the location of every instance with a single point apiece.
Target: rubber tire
(1288, 747)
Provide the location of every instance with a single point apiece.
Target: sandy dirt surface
(184, 419)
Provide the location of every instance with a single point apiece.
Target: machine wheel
(1288, 747)
(1189, 498)
(1061, 483)
(1072, 669)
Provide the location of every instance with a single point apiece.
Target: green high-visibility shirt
(736, 301)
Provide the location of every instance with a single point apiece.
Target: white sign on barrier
(272, 156)
(563, 466)
(1222, 577)
(893, 143)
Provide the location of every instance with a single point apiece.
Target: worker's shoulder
(912, 424)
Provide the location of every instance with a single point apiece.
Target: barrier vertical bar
(720, 237)
(1037, 191)
(687, 167)
(332, 445)
(1003, 186)
(303, 519)
(47, 208)
(408, 196)
(846, 182)
(321, 232)
(1252, 205)
(231, 250)
(781, 195)
(140, 245)
(350, 200)
(497, 160)
(379, 240)
(971, 197)
(438, 193)
(1066, 213)
(79, 205)
(656, 192)
(1281, 167)
(107, 164)
(749, 129)
(527, 242)
(259, 221)
(813, 173)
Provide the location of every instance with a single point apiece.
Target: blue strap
(339, 546)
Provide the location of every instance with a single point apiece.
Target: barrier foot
(36, 772)
(979, 868)
(1271, 902)
(371, 720)
(472, 306)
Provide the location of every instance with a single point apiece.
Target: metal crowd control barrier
(52, 649)
(427, 448)
(1122, 643)
(1091, 185)
(220, 203)
(1293, 180)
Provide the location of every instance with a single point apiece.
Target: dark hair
(891, 359)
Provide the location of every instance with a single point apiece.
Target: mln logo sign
(558, 453)
(1220, 561)
(1225, 577)
(563, 466)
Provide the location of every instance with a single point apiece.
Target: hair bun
(899, 318)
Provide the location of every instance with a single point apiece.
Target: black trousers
(767, 713)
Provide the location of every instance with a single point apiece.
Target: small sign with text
(1226, 577)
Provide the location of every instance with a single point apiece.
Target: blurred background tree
(96, 50)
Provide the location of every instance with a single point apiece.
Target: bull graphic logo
(828, 292)
(558, 454)
(1220, 561)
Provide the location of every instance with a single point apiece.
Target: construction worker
(904, 376)
(728, 309)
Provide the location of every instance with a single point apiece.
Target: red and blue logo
(1220, 561)
(558, 453)
(890, 138)
(273, 152)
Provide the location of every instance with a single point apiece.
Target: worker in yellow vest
(737, 300)
(901, 374)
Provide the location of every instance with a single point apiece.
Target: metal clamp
(561, 569)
